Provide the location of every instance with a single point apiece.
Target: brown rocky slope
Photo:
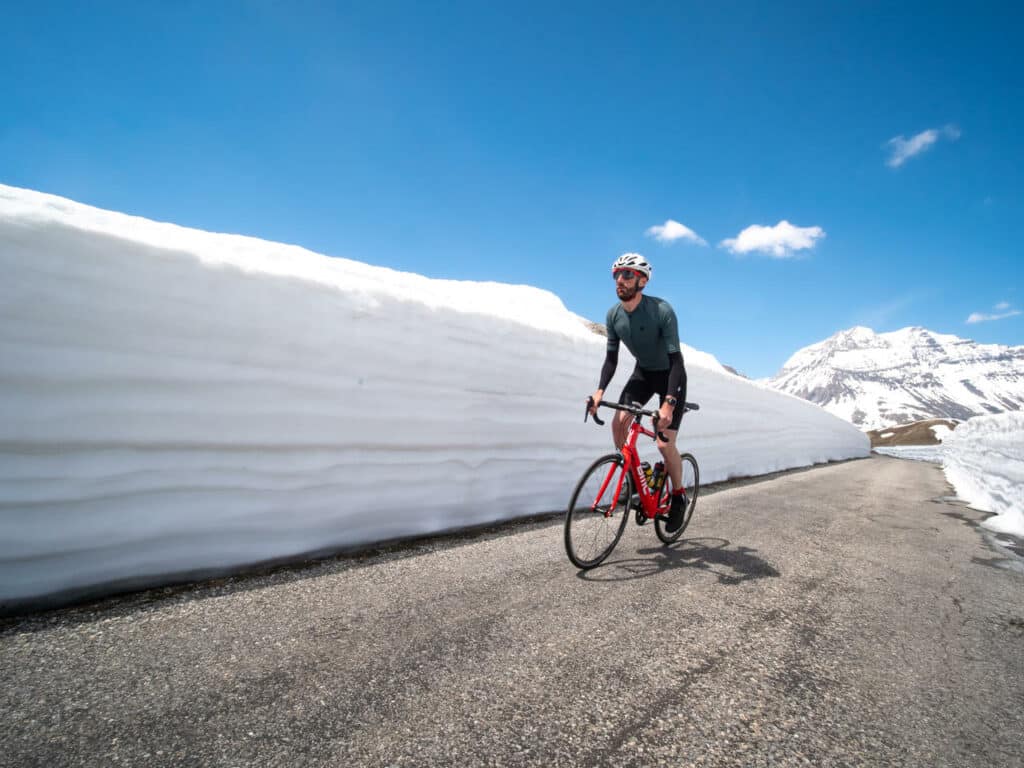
(916, 433)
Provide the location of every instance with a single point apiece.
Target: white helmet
(633, 261)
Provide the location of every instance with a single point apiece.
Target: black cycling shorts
(642, 384)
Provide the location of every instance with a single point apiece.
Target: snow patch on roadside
(984, 461)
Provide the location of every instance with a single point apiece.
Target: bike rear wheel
(597, 516)
(691, 487)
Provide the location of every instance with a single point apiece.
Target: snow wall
(983, 459)
(175, 402)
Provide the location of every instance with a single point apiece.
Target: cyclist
(647, 326)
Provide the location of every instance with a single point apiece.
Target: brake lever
(586, 413)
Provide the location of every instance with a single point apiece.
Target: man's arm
(611, 358)
(676, 370)
(611, 361)
(676, 375)
(670, 332)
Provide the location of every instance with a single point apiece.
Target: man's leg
(673, 463)
(674, 468)
(669, 452)
(620, 428)
(638, 390)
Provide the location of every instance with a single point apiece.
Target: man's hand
(594, 400)
(664, 417)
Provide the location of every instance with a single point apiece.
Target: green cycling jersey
(650, 332)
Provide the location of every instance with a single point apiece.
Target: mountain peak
(857, 333)
(913, 330)
(882, 379)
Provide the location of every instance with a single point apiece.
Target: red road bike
(617, 483)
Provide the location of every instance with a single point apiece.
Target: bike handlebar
(635, 410)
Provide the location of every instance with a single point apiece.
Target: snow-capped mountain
(881, 379)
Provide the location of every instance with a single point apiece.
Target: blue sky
(535, 142)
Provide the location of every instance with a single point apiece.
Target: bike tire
(594, 525)
(691, 484)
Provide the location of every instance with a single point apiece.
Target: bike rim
(598, 513)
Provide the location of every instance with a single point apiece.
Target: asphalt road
(844, 615)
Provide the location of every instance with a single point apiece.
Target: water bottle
(658, 478)
(645, 467)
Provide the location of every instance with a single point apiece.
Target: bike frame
(631, 464)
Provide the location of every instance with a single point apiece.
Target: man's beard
(626, 292)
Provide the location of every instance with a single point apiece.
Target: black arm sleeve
(611, 362)
(677, 376)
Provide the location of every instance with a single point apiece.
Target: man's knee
(670, 439)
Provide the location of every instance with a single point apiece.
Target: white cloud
(1002, 310)
(903, 149)
(780, 241)
(672, 230)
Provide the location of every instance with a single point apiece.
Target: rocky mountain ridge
(876, 380)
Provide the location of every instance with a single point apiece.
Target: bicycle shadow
(731, 566)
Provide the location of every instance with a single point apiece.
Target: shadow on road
(731, 565)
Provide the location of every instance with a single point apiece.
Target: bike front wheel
(598, 511)
(691, 487)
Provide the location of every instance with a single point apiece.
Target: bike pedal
(661, 518)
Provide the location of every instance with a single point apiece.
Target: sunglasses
(625, 274)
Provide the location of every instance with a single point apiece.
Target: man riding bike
(647, 326)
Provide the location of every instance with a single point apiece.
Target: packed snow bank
(984, 461)
(929, 453)
(175, 401)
